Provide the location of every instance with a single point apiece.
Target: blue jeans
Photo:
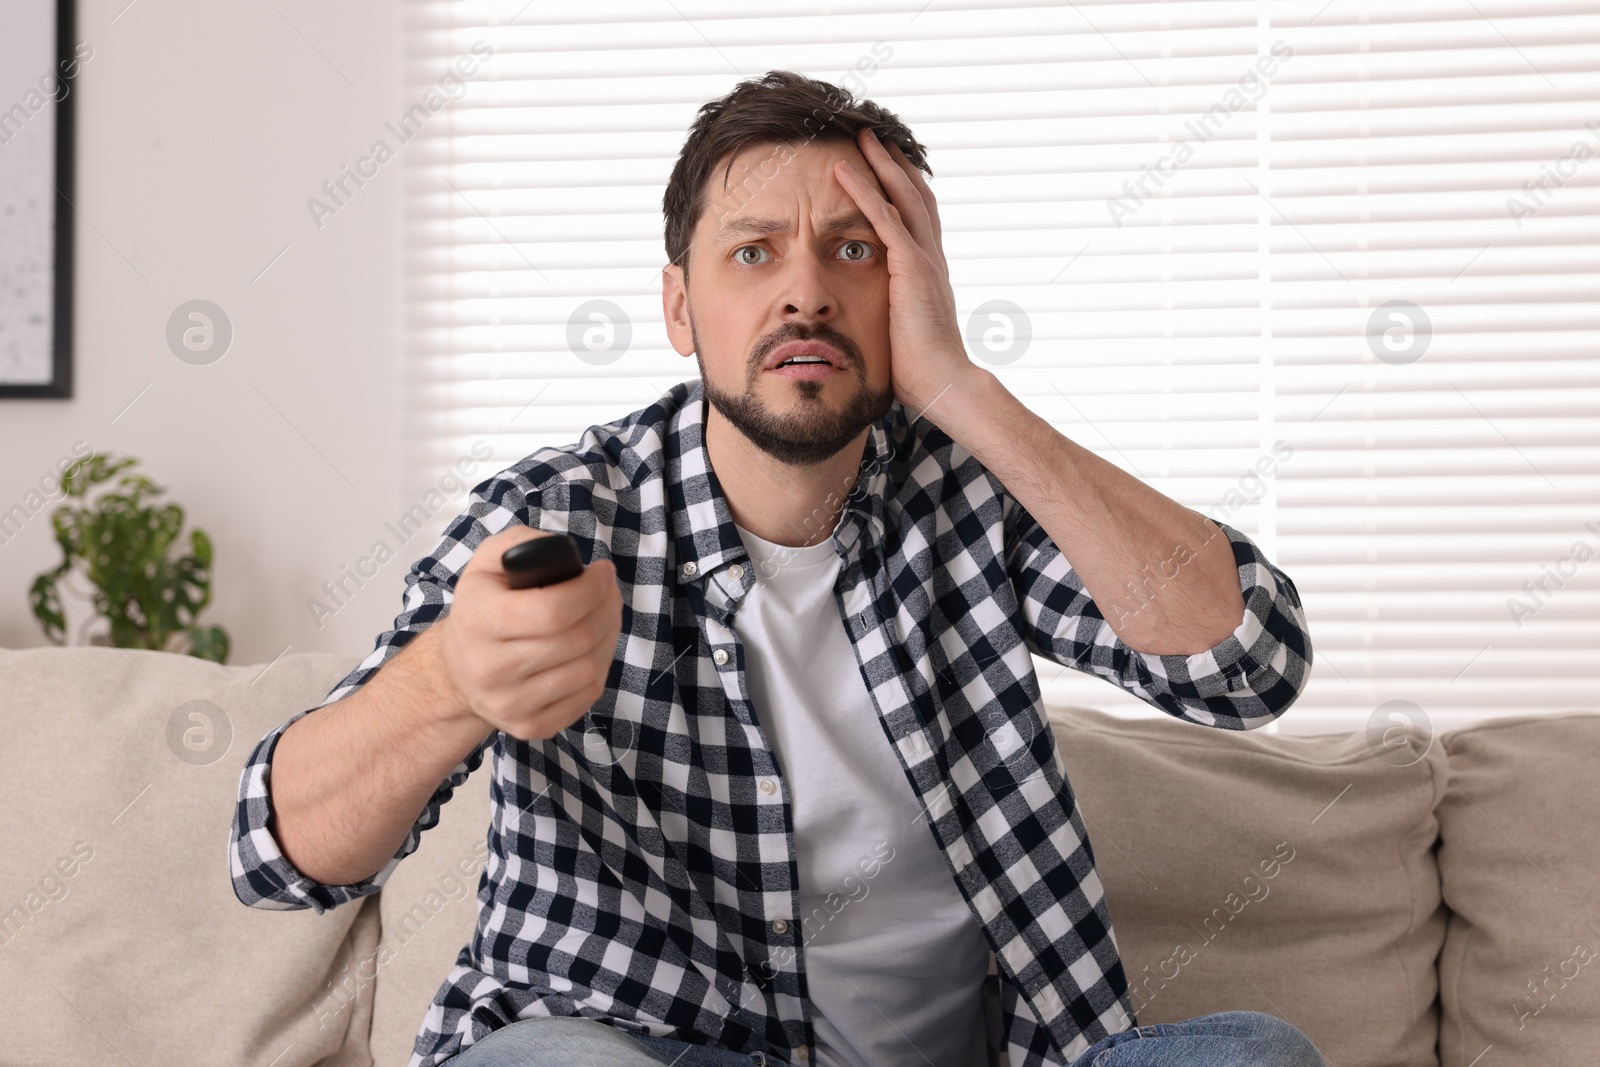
(1226, 1039)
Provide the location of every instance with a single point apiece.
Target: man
(772, 778)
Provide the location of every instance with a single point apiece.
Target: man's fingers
(550, 609)
(599, 626)
(921, 182)
(903, 194)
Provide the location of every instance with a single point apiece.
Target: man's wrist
(440, 708)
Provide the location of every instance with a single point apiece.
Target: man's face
(782, 254)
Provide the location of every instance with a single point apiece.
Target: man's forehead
(744, 225)
(810, 159)
(757, 195)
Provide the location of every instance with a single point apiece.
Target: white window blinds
(1326, 271)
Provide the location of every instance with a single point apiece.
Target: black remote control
(542, 561)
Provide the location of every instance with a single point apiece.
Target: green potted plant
(150, 598)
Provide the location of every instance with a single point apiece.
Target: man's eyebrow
(754, 226)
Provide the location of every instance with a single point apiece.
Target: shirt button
(720, 656)
(780, 926)
(691, 569)
(768, 786)
(736, 572)
(802, 1054)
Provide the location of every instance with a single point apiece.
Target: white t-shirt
(894, 957)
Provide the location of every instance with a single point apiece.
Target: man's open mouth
(804, 369)
(804, 360)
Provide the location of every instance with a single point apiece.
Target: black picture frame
(60, 385)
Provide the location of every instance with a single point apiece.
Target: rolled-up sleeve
(1246, 680)
(263, 877)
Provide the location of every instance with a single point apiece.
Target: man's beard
(815, 433)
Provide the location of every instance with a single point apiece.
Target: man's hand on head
(927, 353)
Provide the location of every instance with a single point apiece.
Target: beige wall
(203, 129)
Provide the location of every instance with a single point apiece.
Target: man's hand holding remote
(348, 781)
(529, 661)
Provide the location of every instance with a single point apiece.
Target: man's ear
(675, 309)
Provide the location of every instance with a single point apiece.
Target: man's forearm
(348, 780)
(1163, 575)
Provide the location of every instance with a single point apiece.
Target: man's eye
(745, 253)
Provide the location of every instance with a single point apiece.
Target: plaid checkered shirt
(636, 872)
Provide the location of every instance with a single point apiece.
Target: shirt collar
(703, 530)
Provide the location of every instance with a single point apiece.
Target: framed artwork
(39, 62)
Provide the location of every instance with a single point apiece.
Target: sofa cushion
(1520, 970)
(1292, 875)
(121, 940)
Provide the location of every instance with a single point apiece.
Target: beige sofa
(1402, 907)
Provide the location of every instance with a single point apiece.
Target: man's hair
(781, 109)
